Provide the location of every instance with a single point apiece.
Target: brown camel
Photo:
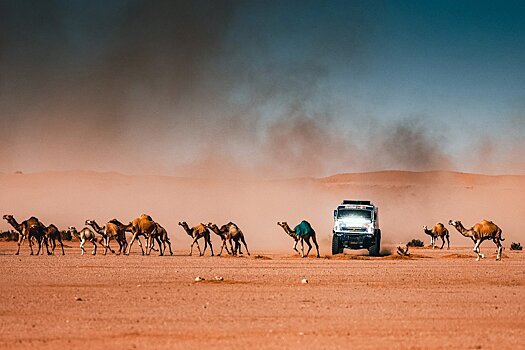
(480, 232)
(52, 234)
(118, 229)
(86, 235)
(439, 230)
(164, 238)
(145, 226)
(197, 232)
(224, 237)
(306, 232)
(106, 235)
(30, 228)
(229, 232)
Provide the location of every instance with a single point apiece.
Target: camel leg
(20, 240)
(211, 247)
(443, 244)
(94, 252)
(30, 243)
(295, 246)
(47, 246)
(39, 242)
(169, 246)
(433, 242)
(53, 243)
(500, 248)
(309, 245)
(137, 238)
(107, 246)
(82, 250)
(161, 253)
(195, 241)
(245, 246)
(222, 247)
(314, 239)
(302, 247)
(448, 242)
(148, 243)
(135, 235)
(61, 245)
(477, 250)
(233, 247)
(205, 246)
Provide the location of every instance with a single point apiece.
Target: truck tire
(337, 247)
(376, 248)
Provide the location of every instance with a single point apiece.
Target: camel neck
(15, 224)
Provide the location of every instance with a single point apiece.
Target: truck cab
(356, 226)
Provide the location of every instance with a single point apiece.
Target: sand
(435, 299)
(438, 300)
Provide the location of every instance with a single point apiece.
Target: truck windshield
(354, 214)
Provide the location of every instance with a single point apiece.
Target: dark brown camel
(197, 232)
(30, 228)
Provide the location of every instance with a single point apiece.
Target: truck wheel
(376, 248)
(337, 247)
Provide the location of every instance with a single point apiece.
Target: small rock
(219, 278)
(304, 281)
(78, 299)
(198, 279)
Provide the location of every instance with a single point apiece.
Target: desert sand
(436, 299)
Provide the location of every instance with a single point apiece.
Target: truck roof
(355, 202)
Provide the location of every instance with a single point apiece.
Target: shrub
(516, 246)
(66, 235)
(9, 236)
(416, 243)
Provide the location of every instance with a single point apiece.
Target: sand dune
(407, 201)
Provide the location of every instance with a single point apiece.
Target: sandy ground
(437, 299)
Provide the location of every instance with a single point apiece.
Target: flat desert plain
(436, 299)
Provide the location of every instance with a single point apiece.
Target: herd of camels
(35, 231)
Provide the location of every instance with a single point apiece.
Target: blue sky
(415, 85)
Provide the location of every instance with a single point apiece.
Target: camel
(105, 234)
(229, 232)
(118, 229)
(52, 234)
(164, 238)
(29, 228)
(439, 230)
(480, 232)
(145, 226)
(85, 235)
(224, 238)
(302, 232)
(197, 232)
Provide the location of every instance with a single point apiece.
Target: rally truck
(356, 226)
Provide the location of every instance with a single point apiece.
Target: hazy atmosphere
(268, 89)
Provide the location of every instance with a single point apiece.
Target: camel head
(7, 217)
(89, 222)
(71, 229)
(282, 224)
(454, 223)
(183, 223)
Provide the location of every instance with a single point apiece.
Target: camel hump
(304, 228)
(146, 216)
(114, 221)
